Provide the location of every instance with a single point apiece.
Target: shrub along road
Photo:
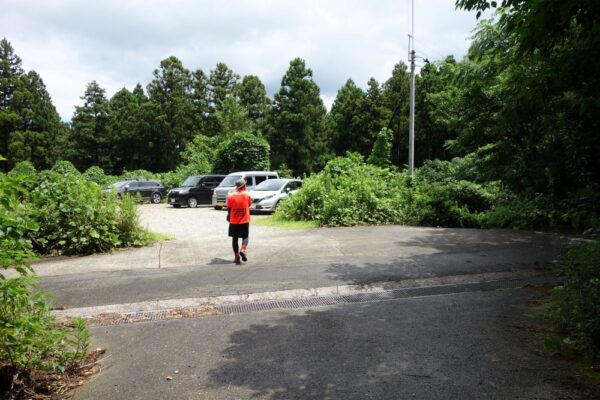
(450, 343)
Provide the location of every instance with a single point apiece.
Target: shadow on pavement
(456, 252)
(427, 348)
(220, 261)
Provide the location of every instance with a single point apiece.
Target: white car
(267, 195)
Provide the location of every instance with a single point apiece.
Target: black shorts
(239, 230)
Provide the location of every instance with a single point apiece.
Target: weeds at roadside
(44, 385)
(276, 221)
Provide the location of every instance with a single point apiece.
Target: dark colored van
(196, 189)
(153, 191)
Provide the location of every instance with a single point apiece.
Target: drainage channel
(317, 301)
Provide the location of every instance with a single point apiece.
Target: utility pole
(411, 123)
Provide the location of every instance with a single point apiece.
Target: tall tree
(200, 102)
(233, 117)
(296, 130)
(10, 69)
(30, 128)
(378, 115)
(349, 121)
(90, 134)
(547, 57)
(128, 147)
(396, 98)
(436, 113)
(41, 137)
(172, 113)
(222, 84)
(253, 96)
(10, 73)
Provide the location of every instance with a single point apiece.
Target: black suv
(153, 191)
(196, 189)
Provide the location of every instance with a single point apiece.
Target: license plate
(171, 201)
(220, 204)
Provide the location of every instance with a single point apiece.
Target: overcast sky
(119, 43)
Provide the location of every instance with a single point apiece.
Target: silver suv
(252, 179)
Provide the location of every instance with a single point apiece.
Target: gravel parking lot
(197, 224)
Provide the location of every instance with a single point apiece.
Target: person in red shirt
(238, 209)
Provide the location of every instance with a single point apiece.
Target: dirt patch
(37, 385)
(127, 318)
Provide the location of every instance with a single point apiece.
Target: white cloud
(120, 42)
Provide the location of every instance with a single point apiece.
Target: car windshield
(270, 185)
(191, 181)
(230, 180)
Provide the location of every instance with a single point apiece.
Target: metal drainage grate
(379, 296)
(308, 302)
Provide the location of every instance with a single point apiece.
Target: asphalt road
(456, 344)
(198, 262)
(462, 346)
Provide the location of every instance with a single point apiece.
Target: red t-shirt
(238, 203)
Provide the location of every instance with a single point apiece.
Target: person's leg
(244, 248)
(245, 243)
(236, 249)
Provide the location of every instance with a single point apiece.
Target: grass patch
(158, 236)
(277, 221)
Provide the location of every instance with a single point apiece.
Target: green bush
(130, 231)
(453, 204)
(96, 174)
(581, 209)
(75, 218)
(243, 152)
(23, 168)
(15, 249)
(517, 212)
(381, 155)
(576, 304)
(285, 172)
(350, 192)
(31, 336)
(137, 174)
(65, 167)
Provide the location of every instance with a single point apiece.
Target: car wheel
(275, 206)
(156, 198)
(218, 207)
(192, 202)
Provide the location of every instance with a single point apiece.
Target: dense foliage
(350, 192)
(75, 218)
(15, 249)
(577, 302)
(31, 337)
(243, 152)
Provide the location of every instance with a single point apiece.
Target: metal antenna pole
(411, 125)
